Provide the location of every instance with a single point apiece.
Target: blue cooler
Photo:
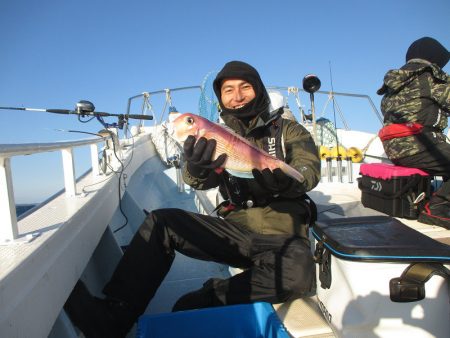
(258, 320)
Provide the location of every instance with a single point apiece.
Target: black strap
(410, 286)
(412, 183)
(312, 208)
(422, 272)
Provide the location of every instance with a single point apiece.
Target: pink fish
(242, 156)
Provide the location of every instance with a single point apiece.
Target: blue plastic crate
(258, 320)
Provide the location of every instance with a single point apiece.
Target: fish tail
(288, 170)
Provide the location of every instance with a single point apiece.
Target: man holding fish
(263, 167)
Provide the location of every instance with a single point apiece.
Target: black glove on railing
(276, 182)
(198, 156)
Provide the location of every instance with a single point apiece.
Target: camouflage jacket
(417, 92)
(286, 214)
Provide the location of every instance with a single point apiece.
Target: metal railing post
(69, 172)
(8, 218)
(94, 160)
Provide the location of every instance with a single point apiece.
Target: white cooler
(379, 278)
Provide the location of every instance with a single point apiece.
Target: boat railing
(330, 97)
(8, 219)
(146, 98)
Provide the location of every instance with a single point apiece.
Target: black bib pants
(277, 267)
(435, 161)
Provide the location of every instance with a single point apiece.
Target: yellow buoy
(339, 151)
(355, 154)
(324, 152)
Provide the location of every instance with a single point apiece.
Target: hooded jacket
(418, 92)
(286, 214)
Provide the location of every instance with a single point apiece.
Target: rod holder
(329, 169)
(339, 168)
(349, 169)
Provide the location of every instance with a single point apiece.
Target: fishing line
(79, 131)
(95, 134)
(132, 147)
(91, 185)
(89, 133)
(85, 121)
(120, 173)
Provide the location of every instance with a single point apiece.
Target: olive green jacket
(288, 213)
(418, 92)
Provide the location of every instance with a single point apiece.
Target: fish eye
(189, 120)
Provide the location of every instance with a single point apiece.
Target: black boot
(436, 212)
(99, 318)
(197, 299)
(193, 300)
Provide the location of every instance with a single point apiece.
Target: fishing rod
(85, 108)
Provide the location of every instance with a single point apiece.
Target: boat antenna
(338, 152)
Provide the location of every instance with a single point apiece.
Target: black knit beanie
(242, 70)
(429, 49)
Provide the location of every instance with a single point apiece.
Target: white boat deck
(75, 241)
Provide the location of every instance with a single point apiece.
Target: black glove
(276, 182)
(198, 156)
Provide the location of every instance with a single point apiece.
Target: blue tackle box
(258, 320)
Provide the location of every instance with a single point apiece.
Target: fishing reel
(84, 107)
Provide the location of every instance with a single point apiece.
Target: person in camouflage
(416, 106)
(262, 227)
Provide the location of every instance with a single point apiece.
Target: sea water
(21, 208)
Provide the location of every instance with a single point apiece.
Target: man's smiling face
(236, 93)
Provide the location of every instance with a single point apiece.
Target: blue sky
(54, 53)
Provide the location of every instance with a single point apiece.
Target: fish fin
(224, 126)
(241, 174)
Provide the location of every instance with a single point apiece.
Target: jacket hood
(242, 70)
(428, 49)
